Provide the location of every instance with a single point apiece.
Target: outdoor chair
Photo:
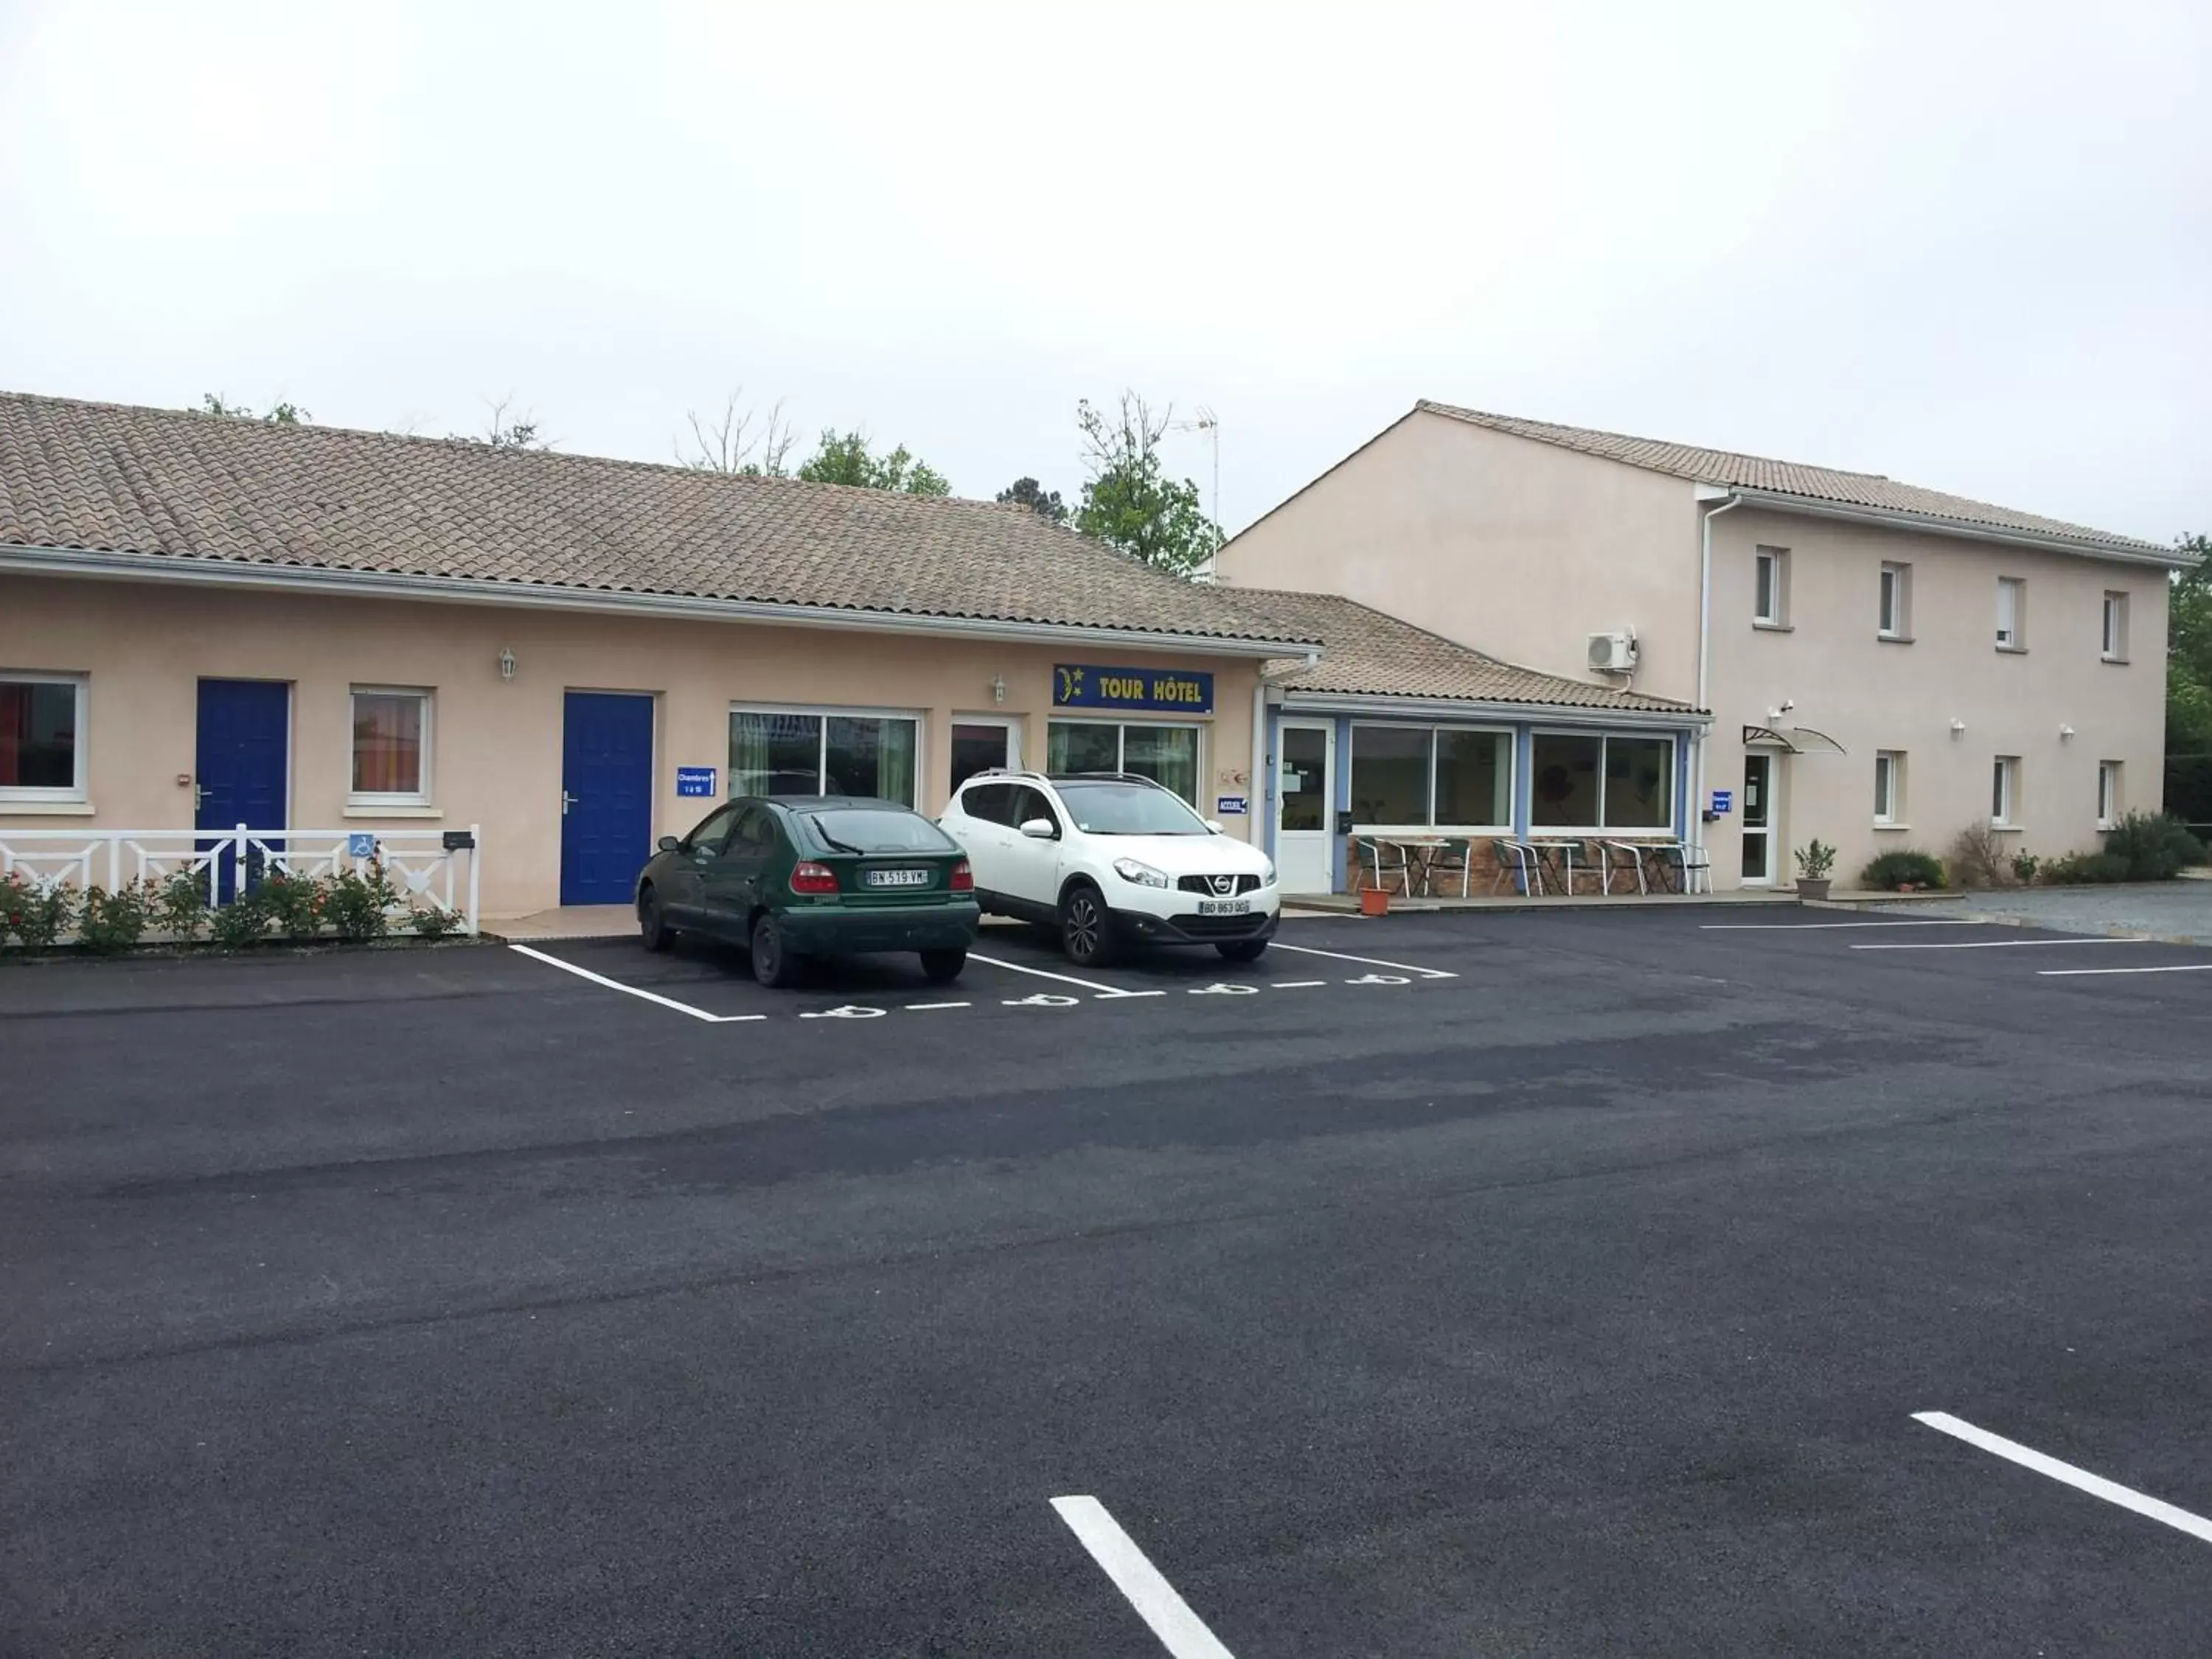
(1516, 859)
(1693, 869)
(1459, 851)
(1622, 859)
(1384, 859)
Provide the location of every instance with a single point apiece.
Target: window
(990, 803)
(2004, 790)
(806, 752)
(1601, 782)
(2116, 627)
(1888, 786)
(2109, 803)
(713, 829)
(42, 728)
(2012, 614)
(390, 747)
(1168, 755)
(1771, 600)
(1431, 776)
(1028, 804)
(1895, 619)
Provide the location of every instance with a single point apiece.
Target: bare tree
(738, 442)
(502, 433)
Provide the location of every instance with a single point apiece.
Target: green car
(802, 875)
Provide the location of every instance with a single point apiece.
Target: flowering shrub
(294, 904)
(356, 903)
(36, 919)
(111, 922)
(434, 922)
(243, 921)
(184, 905)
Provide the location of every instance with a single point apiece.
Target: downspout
(1259, 794)
(1698, 796)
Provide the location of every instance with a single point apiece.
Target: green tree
(502, 432)
(1027, 492)
(843, 458)
(2189, 653)
(281, 414)
(1129, 501)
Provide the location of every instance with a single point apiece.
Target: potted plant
(1374, 901)
(1815, 860)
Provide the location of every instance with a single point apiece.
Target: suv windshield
(874, 830)
(1103, 808)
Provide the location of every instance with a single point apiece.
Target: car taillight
(813, 877)
(963, 879)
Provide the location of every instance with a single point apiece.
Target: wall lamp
(507, 662)
(1958, 729)
(998, 687)
(2065, 734)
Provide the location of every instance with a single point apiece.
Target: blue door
(606, 796)
(242, 767)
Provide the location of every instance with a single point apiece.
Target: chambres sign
(1086, 685)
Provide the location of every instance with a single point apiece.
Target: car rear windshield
(1129, 809)
(875, 829)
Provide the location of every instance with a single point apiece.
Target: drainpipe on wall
(1699, 795)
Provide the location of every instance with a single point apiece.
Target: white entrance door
(1760, 817)
(1305, 791)
(980, 742)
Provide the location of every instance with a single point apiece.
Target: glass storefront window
(1639, 783)
(1584, 782)
(784, 752)
(1390, 774)
(1431, 777)
(1166, 754)
(1474, 779)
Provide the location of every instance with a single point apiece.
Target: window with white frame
(2012, 614)
(2110, 805)
(1888, 786)
(1894, 603)
(1770, 586)
(1167, 754)
(42, 737)
(1601, 780)
(2115, 646)
(390, 747)
(824, 751)
(1431, 777)
(2004, 791)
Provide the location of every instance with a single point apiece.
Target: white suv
(1108, 859)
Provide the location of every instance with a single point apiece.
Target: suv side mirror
(1040, 829)
(670, 844)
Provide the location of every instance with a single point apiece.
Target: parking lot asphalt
(1559, 1284)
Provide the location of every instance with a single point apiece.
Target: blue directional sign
(695, 780)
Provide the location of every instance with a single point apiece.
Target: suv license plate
(898, 878)
(1224, 907)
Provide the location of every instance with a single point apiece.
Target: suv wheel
(1086, 928)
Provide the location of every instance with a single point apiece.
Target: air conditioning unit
(1613, 654)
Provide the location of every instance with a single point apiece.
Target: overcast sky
(1966, 246)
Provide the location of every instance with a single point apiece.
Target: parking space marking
(633, 990)
(1065, 979)
(2095, 1485)
(1297, 984)
(2077, 973)
(1181, 1632)
(1365, 962)
(1818, 927)
(931, 1007)
(1998, 944)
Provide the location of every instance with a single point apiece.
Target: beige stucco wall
(497, 744)
(1871, 695)
(1520, 549)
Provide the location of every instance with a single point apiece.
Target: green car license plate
(898, 877)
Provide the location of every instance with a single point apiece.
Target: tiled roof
(1366, 652)
(172, 485)
(1820, 484)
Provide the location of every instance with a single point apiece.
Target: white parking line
(1065, 979)
(2076, 972)
(1998, 944)
(1817, 926)
(2095, 1485)
(931, 1007)
(1297, 984)
(634, 991)
(1180, 1629)
(1370, 962)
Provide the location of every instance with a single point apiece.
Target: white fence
(424, 865)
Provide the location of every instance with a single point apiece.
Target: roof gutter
(543, 596)
(1523, 714)
(1897, 518)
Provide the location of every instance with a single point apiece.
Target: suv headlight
(1140, 875)
(1267, 872)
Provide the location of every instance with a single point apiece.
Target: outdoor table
(1559, 857)
(1420, 853)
